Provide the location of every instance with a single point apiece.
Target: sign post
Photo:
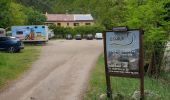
(123, 50)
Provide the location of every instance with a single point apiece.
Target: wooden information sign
(123, 50)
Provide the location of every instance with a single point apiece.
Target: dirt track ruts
(61, 72)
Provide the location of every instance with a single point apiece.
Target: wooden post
(109, 90)
(141, 67)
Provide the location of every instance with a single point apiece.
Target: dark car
(78, 37)
(89, 37)
(11, 44)
(69, 37)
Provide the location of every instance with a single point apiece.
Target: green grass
(13, 65)
(124, 86)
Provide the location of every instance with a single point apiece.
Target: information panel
(122, 52)
(123, 55)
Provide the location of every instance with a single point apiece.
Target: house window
(49, 24)
(76, 24)
(67, 24)
(58, 24)
(87, 23)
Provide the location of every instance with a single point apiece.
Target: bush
(60, 32)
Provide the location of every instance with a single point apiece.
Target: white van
(99, 36)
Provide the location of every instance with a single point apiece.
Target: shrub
(60, 32)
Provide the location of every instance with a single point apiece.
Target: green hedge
(60, 32)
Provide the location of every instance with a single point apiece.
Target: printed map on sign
(122, 50)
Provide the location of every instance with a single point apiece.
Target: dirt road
(61, 73)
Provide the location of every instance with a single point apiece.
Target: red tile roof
(69, 17)
(60, 17)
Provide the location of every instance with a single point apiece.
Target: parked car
(89, 37)
(11, 44)
(99, 36)
(69, 37)
(78, 37)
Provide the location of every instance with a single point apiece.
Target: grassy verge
(125, 86)
(13, 65)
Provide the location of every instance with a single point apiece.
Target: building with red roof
(69, 20)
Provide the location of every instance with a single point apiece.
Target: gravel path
(61, 73)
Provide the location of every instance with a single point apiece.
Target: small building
(69, 20)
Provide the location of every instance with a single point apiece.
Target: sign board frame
(140, 74)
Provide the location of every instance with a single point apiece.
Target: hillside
(96, 7)
(134, 13)
(106, 12)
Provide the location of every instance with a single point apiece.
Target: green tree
(149, 15)
(34, 17)
(5, 15)
(18, 15)
(42, 5)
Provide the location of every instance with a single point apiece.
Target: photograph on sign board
(122, 50)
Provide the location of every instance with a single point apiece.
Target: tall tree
(34, 17)
(17, 13)
(41, 5)
(5, 15)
